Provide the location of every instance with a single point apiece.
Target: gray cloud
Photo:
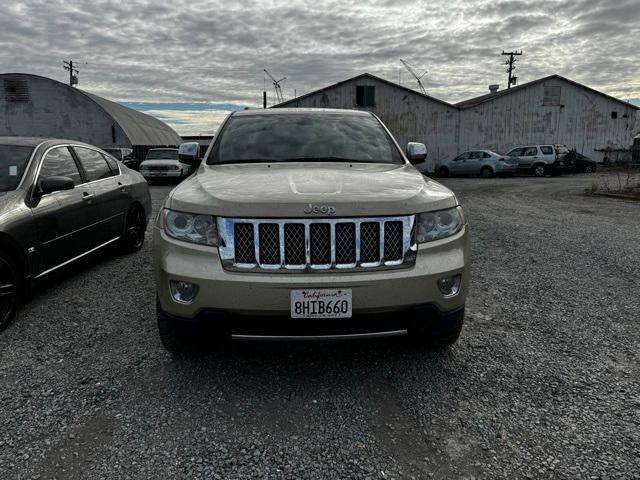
(144, 50)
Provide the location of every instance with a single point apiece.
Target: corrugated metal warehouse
(553, 109)
(36, 106)
(550, 110)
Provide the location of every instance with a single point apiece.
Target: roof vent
(16, 91)
(494, 88)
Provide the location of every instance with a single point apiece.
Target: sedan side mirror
(189, 152)
(416, 152)
(56, 184)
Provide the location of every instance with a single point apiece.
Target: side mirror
(189, 152)
(55, 184)
(416, 152)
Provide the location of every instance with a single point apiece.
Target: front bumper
(240, 293)
(506, 169)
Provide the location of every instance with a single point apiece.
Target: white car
(161, 163)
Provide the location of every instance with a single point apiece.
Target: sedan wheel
(8, 293)
(588, 169)
(485, 172)
(443, 172)
(133, 238)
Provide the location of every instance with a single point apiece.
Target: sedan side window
(59, 163)
(463, 156)
(474, 156)
(113, 164)
(486, 155)
(94, 164)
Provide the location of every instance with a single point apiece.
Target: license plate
(322, 303)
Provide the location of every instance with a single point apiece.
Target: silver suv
(303, 223)
(541, 160)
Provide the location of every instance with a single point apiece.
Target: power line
(73, 72)
(511, 66)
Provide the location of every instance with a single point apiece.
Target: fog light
(449, 286)
(183, 292)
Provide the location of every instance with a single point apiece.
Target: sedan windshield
(304, 137)
(13, 161)
(162, 155)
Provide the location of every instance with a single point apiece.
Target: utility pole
(511, 66)
(73, 72)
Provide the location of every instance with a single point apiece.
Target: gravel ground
(543, 383)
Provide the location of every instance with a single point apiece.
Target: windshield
(13, 161)
(162, 155)
(304, 137)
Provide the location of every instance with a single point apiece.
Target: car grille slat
(370, 242)
(317, 244)
(320, 243)
(345, 243)
(269, 243)
(294, 251)
(393, 240)
(244, 242)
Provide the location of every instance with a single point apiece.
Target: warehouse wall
(582, 120)
(409, 116)
(34, 106)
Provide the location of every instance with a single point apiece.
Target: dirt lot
(544, 382)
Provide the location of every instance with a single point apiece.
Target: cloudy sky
(180, 60)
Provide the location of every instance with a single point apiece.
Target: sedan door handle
(123, 188)
(87, 197)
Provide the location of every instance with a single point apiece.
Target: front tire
(9, 291)
(187, 338)
(134, 230)
(540, 170)
(486, 172)
(589, 169)
(438, 332)
(443, 172)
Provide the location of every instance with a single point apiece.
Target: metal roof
(472, 102)
(363, 75)
(140, 128)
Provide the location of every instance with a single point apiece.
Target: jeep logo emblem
(319, 209)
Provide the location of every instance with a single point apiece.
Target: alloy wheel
(135, 228)
(8, 293)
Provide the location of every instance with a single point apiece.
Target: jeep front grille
(303, 245)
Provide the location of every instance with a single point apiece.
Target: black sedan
(577, 163)
(59, 202)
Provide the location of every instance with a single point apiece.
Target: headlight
(191, 227)
(436, 225)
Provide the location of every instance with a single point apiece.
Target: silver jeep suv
(303, 223)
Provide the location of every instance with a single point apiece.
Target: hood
(284, 190)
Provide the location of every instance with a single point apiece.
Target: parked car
(316, 220)
(124, 155)
(577, 163)
(539, 160)
(478, 162)
(60, 201)
(163, 163)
